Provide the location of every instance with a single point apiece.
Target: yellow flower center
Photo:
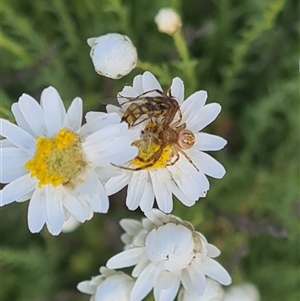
(152, 151)
(57, 160)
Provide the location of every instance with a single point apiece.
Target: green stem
(181, 46)
(150, 67)
(183, 52)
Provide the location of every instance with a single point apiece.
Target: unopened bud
(113, 55)
(168, 21)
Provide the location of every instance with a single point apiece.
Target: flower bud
(168, 21)
(113, 55)
(242, 292)
(109, 285)
(70, 225)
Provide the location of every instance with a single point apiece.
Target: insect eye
(186, 139)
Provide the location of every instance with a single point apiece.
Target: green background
(245, 54)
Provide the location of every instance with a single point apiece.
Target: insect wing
(109, 101)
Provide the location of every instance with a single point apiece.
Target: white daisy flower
(168, 252)
(108, 286)
(213, 292)
(181, 165)
(53, 161)
(113, 55)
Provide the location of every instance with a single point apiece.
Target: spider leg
(174, 149)
(178, 149)
(129, 99)
(180, 115)
(127, 168)
(155, 159)
(179, 128)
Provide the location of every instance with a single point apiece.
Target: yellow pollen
(150, 156)
(57, 160)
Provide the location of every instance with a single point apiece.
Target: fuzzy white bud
(113, 55)
(168, 21)
(70, 225)
(109, 285)
(242, 292)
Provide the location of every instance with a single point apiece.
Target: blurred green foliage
(245, 54)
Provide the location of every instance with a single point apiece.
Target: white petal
(147, 201)
(127, 95)
(205, 116)
(144, 283)
(190, 180)
(97, 138)
(94, 190)
(114, 149)
(17, 136)
(9, 174)
(5, 143)
(17, 189)
(137, 84)
(86, 288)
(25, 197)
(212, 251)
(102, 121)
(115, 184)
(37, 210)
(136, 189)
(141, 265)
(177, 89)
(208, 142)
(156, 217)
(162, 194)
(209, 165)
(74, 115)
(186, 281)
(20, 119)
(169, 292)
(54, 110)
(214, 270)
(149, 83)
(100, 203)
(92, 115)
(130, 225)
(184, 182)
(194, 174)
(125, 259)
(74, 206)
(54, 208)
(191, 107)
(197, 277)
(114, 109)
(33, 114)
(13, 157)
(104, 173)
(180, 195)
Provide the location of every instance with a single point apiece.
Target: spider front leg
(179, 128)
(179, 150)
(152, 160)
(175, 152)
